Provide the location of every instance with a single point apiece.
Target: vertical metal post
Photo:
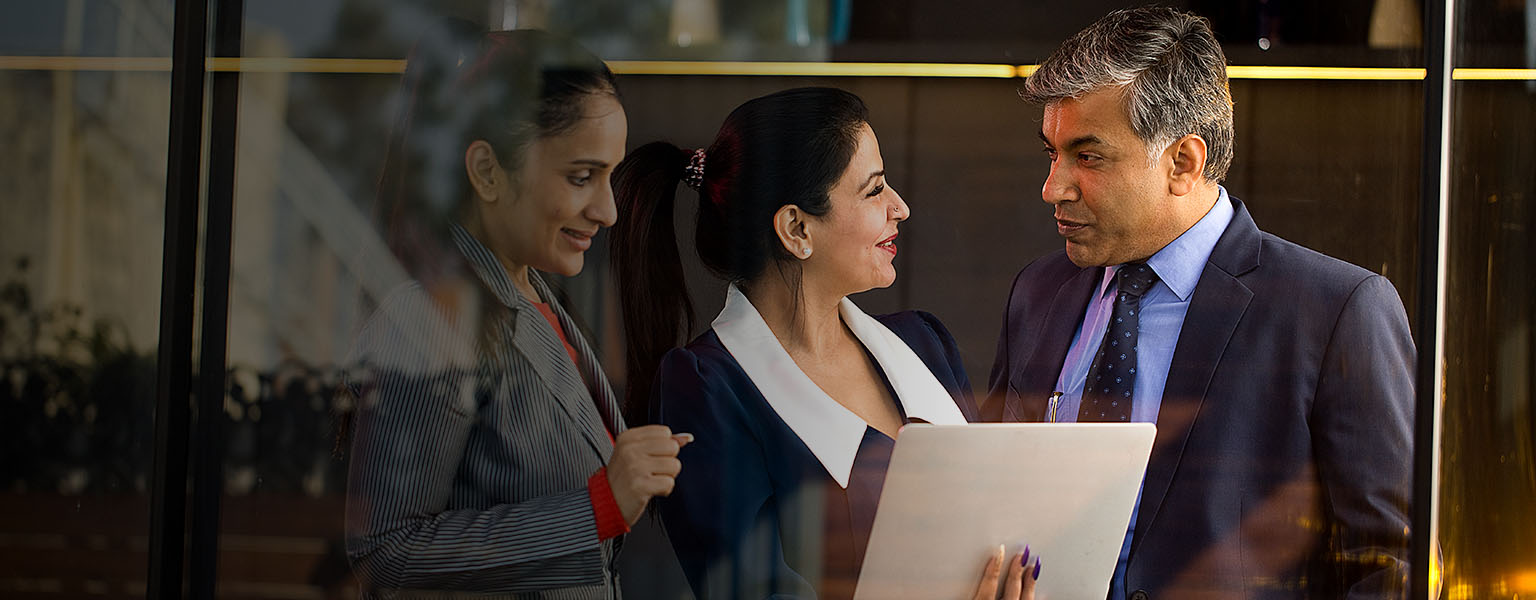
(218, 231)
(178, 285)
(1434, 195)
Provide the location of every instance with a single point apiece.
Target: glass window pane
(1487, 530)
(1326, 159)
(80, 256)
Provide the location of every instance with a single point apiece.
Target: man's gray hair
(1170, 68)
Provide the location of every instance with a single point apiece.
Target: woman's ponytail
(658, 314)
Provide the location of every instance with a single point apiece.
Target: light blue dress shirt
(1178, 266)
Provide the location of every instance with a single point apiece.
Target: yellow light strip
(1326, 73)
(83, 63)
(811, 69)
(308, 65)
(244, 65)
(736, 68)
(1494, 74)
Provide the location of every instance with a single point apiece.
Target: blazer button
(1140, 595)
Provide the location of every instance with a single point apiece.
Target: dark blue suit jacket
(749, 515)
(1282, 464)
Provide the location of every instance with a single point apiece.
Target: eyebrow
(872, 176)
(591, 162)
(1078, 142)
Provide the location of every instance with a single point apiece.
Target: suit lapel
(539, 347)
(592, 374)
(536, 348)
(1042, 367)
(1218, 304)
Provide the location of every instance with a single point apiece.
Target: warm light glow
(736, 68)
(1523, 582)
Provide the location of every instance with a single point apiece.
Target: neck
(1191, 208)
(516, 272)
(810, 327)
(1200, 202)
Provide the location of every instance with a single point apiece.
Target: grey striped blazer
(469, 466)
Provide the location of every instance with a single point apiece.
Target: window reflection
(83, 171)
(1332, 165)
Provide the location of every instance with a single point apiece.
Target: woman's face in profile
(561, 195)
(854, 244)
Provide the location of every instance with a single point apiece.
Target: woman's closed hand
(644, 465)
(1020, 582)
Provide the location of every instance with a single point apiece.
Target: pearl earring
(806, 252)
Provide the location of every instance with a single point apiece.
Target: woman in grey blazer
(489, 454)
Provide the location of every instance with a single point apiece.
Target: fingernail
(1024, 560)
(1037, 569)
(683, 437)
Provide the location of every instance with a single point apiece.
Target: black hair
(786, 148)
(461, 84)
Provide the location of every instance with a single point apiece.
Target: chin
(568, 266)
(885, 280)
(1083, 257)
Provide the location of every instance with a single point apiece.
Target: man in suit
(1281, 380)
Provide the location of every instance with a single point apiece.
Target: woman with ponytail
(795, 395)
(490, 455)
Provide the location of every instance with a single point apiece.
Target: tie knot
(1136, 278)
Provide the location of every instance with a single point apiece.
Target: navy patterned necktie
(1112, 377)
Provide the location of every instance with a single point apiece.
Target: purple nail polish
(1024, 560)
(1037, 569)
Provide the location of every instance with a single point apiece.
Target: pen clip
(1051, 405)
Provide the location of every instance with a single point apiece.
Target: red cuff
(610, 520)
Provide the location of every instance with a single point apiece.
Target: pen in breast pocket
(1051, 405)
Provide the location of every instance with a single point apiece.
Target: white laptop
(954, 492)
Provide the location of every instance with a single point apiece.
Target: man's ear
(486, 177)
(1188, 154)
(789, 223)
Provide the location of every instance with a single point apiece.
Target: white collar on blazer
(832, 432)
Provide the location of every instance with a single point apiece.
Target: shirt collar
(485, 265)
(1179, 264)
(830, 431)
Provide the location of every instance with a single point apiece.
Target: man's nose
(1058, 186)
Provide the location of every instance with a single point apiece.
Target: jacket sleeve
(1000, 395)
(1362, 419)
(417, 408)
(722, 514)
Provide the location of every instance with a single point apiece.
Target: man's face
(1112, 204)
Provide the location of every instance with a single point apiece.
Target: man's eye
(1049, 153)
(1089, 158)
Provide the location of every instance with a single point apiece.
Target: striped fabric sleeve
(605, 508)
(412, 428)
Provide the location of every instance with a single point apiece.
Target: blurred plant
(77, 410)
(75, 398)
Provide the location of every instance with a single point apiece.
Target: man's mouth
(1067, 227)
